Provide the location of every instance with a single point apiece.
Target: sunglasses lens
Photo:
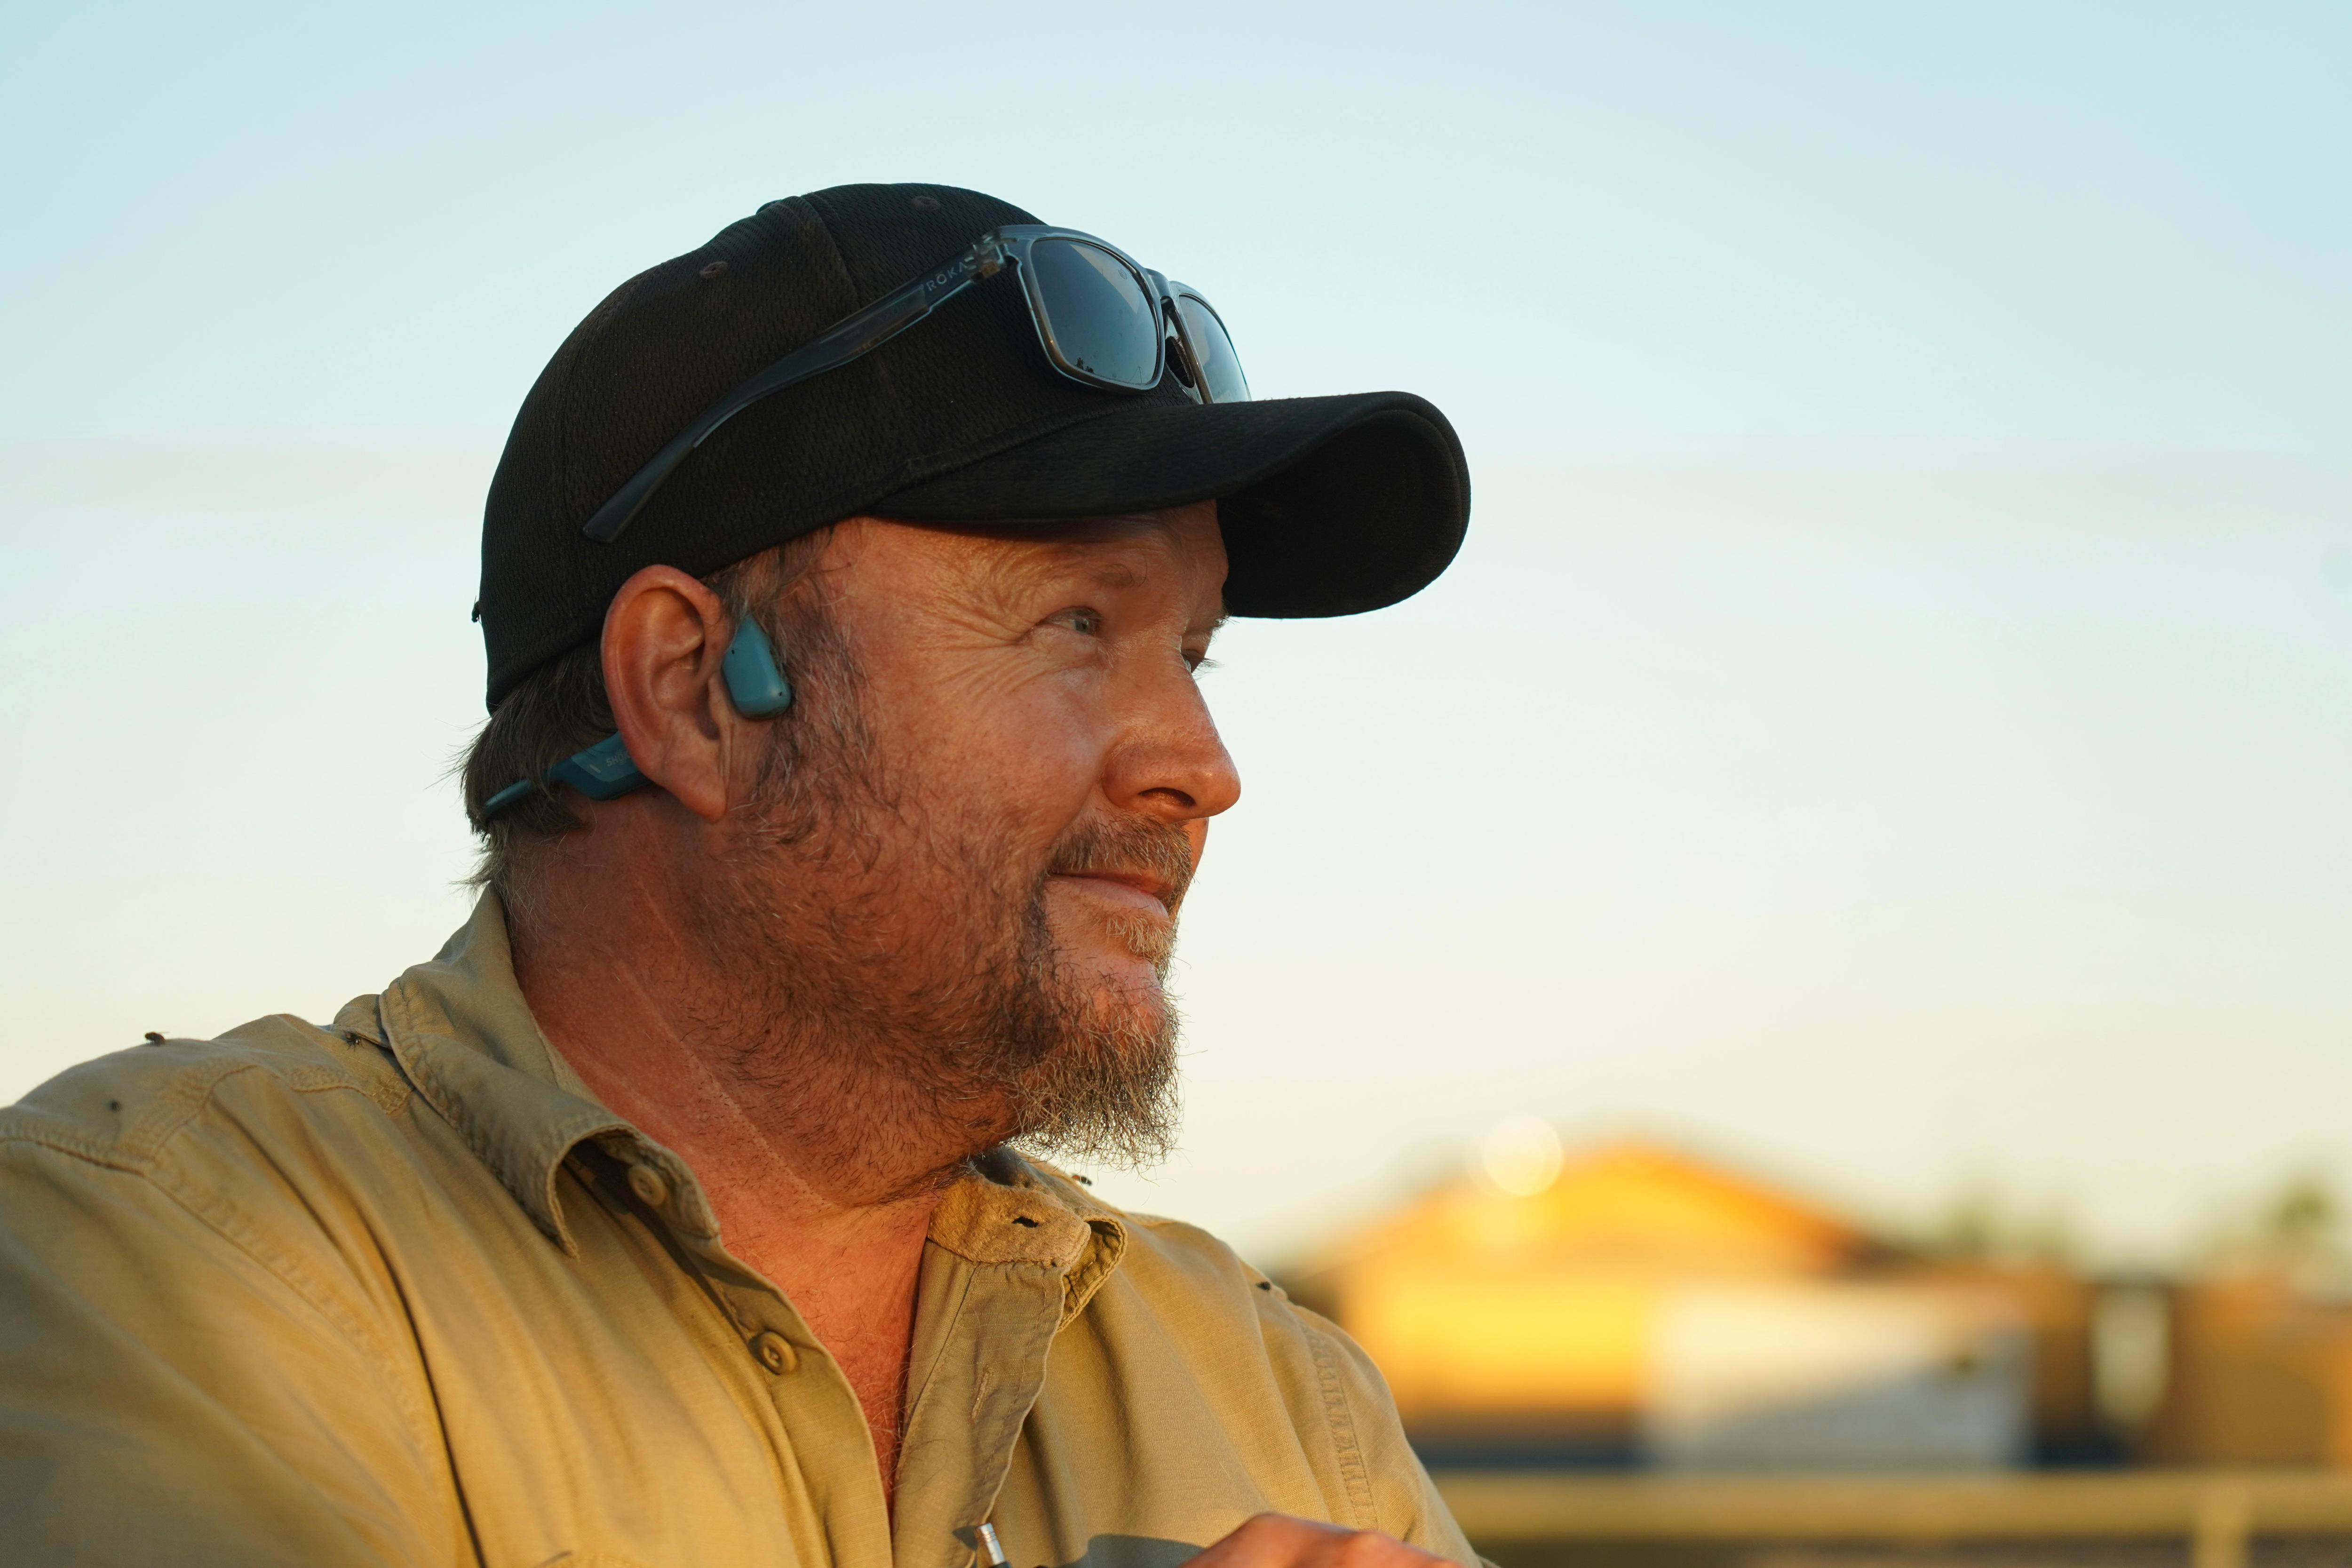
(1099, 314)
(1221, 367)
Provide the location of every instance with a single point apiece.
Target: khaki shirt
(401, 1291)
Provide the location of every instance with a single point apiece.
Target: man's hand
(1278, 1541)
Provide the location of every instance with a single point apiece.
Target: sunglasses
(1101, 318)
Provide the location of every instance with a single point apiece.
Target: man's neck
(823, 1172)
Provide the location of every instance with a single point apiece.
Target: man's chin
(1126, 1003)
(1106, 1094)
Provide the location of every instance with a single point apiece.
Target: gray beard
(922, 985)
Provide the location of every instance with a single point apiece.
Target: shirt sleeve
(180, 1384)
(1404, 1502)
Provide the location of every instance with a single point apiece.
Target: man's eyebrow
(1213, 627)
(1115, 574)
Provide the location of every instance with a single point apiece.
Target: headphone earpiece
(755, 683)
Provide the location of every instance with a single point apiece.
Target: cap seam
(591, 331)
(832, 251)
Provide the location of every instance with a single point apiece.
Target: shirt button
(775, 1352)
(648, 1184)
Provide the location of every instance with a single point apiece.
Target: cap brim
(1330, 506)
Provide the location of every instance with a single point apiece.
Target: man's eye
(1085, 623)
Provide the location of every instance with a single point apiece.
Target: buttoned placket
(817, 1434)
(650, 1184)
(986, 1324)
(971, 1386)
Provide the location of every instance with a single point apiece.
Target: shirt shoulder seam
(180, 1100)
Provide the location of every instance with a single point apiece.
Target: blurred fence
(2117, 1519)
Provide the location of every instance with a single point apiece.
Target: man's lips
(1139, 888)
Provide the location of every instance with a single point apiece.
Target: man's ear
(664, 638)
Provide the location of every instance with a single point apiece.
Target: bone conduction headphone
(755, 684)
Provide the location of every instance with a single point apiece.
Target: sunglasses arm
(846, 339)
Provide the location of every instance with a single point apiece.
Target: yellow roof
(1628, 1205)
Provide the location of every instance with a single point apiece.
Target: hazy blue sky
(1796, 227)
(1889, 723)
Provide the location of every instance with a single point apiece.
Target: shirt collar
(461, 1031)
(1011, 1210)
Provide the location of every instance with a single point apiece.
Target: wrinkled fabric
(399, 1290)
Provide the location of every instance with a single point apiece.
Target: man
(843, 584)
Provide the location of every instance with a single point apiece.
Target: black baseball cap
(1329, 505)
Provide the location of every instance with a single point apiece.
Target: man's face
(978, 853)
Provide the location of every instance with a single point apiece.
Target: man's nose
(1173, 765)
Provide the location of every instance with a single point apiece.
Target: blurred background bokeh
(1798, 1001)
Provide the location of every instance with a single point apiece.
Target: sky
(1888, 727)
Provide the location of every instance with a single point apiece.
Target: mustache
(1159, 849)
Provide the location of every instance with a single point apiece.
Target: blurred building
(1636, 1305)
(2259, 1348)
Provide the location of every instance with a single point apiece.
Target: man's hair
(562, 707)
